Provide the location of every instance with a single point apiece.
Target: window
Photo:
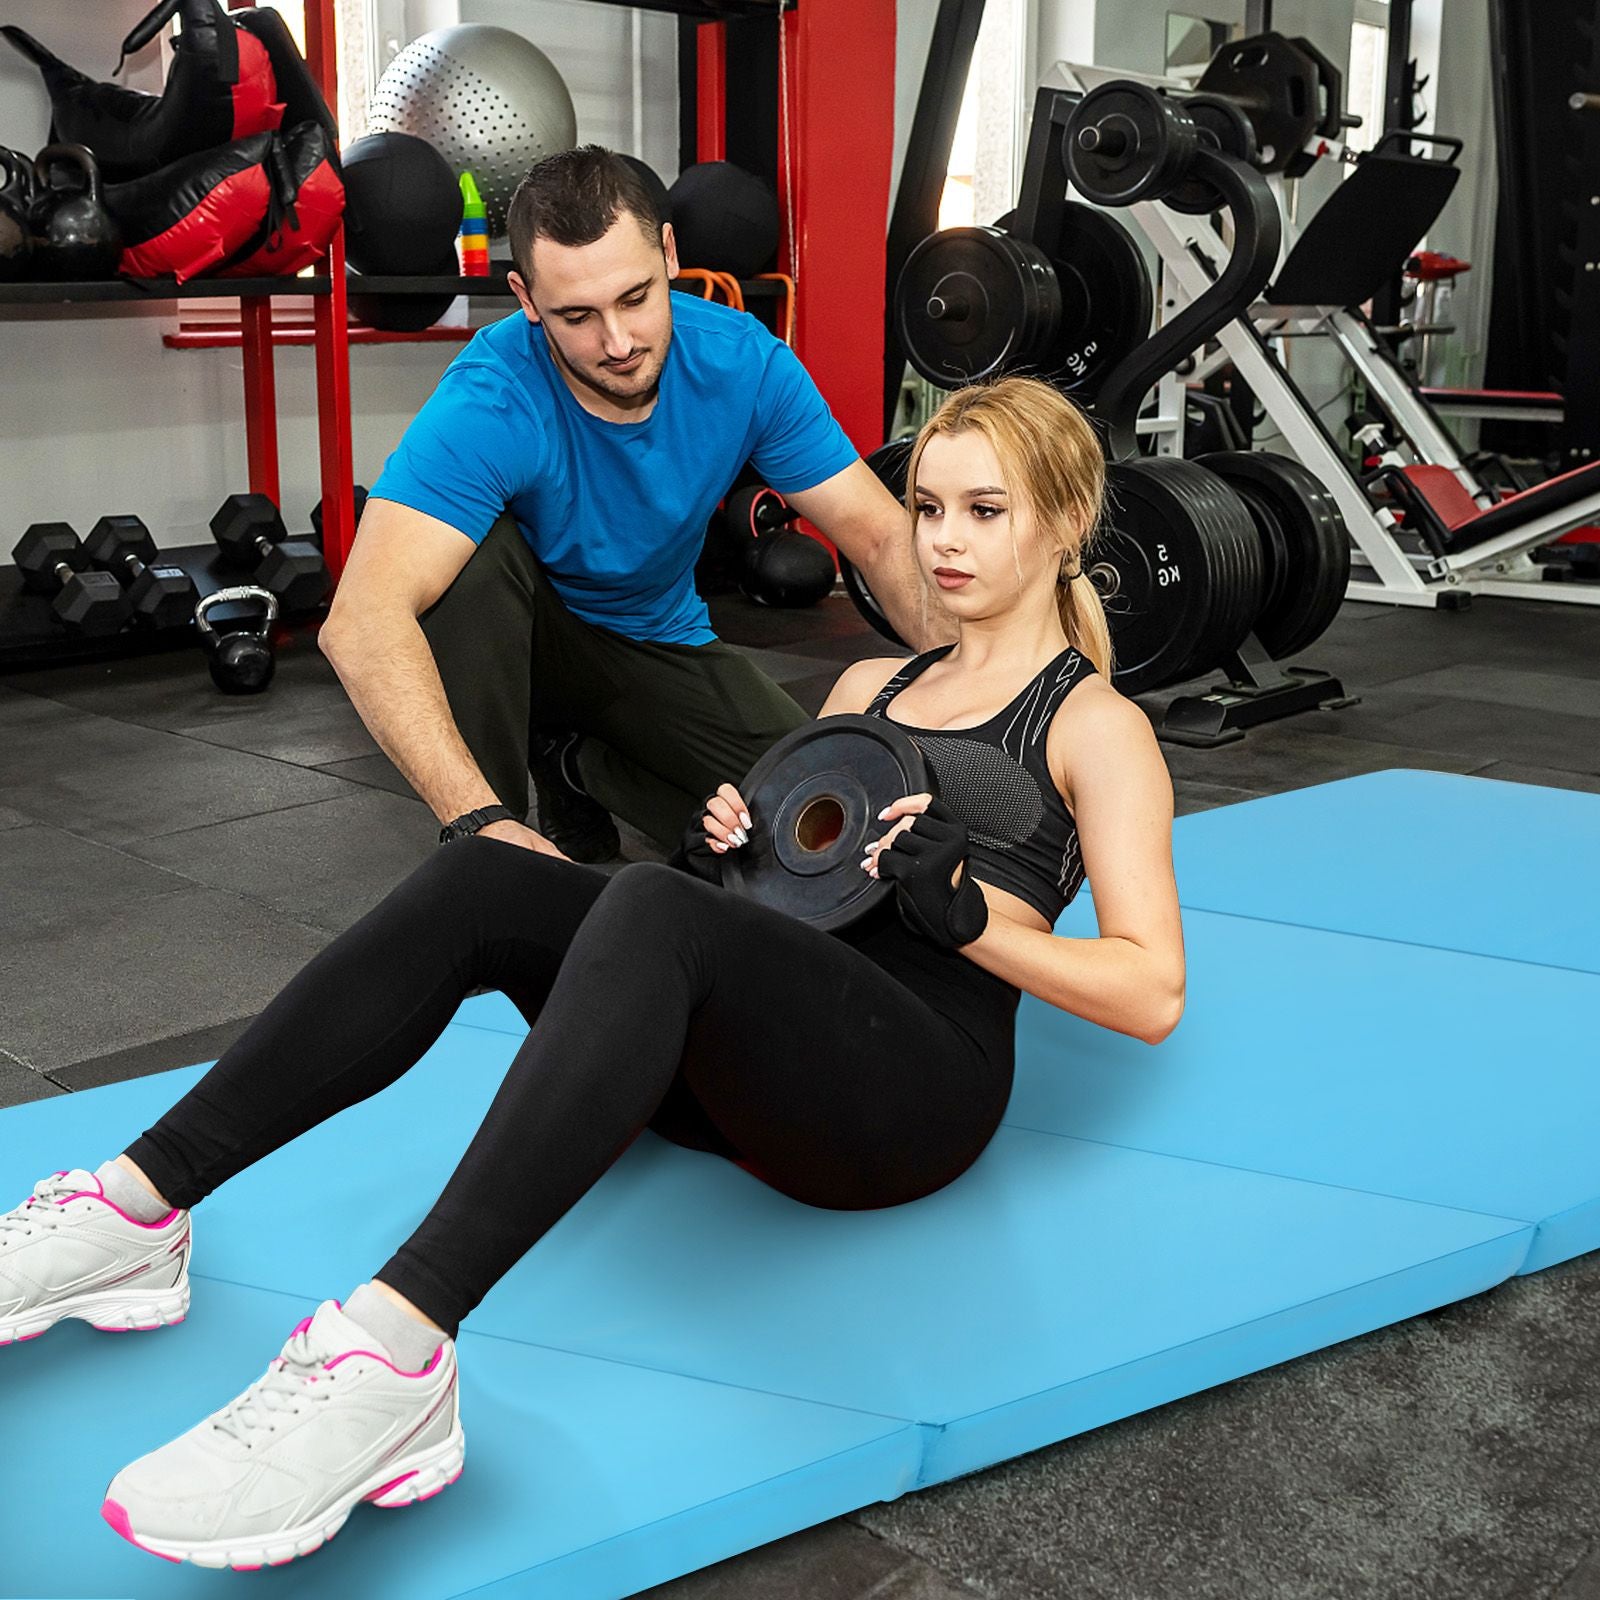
(1364, 82)
(985, 154)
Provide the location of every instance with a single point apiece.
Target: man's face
(606, 308)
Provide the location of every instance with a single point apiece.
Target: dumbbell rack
(30, 635)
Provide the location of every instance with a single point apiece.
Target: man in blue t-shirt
(522, 588)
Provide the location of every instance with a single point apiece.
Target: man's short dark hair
(574, 198)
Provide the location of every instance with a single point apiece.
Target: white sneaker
(274, 1475)
(67, 1251)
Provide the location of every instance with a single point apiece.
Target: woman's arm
(1131, 978)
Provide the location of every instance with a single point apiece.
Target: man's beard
(626, 386)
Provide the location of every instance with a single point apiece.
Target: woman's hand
(726, 823)
(723, 826)
(924, 855)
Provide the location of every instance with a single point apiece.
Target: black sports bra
(996, 779)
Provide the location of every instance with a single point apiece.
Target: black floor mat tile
(742, 621)
(1194, 794)
(19, 1085)
(375, 771)
(113, 782)
(160, 1055)
(54, 882)
(1515, 689)
(172, 688)
(143, 970)
(839, 1560)
(322, 865)
(1477, 732)
(1547, 777)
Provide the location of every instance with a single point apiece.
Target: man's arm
(871, 527)
(400, 564)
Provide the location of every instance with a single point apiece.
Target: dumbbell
(249, 531)
(360, 497)
(161, 596)
(53, 561)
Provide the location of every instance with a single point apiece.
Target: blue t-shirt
(616, 512)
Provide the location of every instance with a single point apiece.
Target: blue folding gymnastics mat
(1384, 1096)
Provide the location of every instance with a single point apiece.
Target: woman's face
(966, 522)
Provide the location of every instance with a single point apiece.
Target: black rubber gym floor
(169, 858)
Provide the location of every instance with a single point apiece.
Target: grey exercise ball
(486, 99)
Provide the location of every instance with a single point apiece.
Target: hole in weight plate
(819, 824)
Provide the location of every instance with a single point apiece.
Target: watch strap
(469, 822)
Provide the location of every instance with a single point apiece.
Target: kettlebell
(74, 237)
(16, 198)
(241, 662)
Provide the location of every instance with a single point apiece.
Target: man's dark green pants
(663, 724)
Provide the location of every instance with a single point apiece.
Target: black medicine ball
(653, 186)
(788, 569)
(725, 219)
(404, 313)
(402, 205)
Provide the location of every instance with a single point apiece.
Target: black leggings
(654, 1000)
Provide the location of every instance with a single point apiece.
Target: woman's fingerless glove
(694, 854)
(920, 863)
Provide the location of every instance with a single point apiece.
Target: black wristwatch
(464, 826)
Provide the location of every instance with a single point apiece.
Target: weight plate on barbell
(1277, 87)
(1240, 574)
(1107, 303)
(972, 303)
(1223, 127)
(814, 800)
(1171, 568)
(1305, 543)
(1124, 142)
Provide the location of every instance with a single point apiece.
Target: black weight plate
(1277, 87)
(1237, 554)
(1155, 568)
(1107, 302)
(814, 800)
(888, 461)
(1223, 127)
(1316, 542)
(1124, 143)
(974, 302)
(1274, 544)
(863, 599)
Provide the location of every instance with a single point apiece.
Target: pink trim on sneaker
(23, 1338)
(377, 1494)
(118, 1518)
(433, 1361)
(98, 1193)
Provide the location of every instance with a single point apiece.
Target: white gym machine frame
(1192, 255)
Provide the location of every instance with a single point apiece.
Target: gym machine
(1235, 560)
(1454, 537)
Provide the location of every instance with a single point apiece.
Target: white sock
(409, 1342)
(125, 1190)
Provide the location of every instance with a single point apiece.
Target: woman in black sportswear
(657, 999)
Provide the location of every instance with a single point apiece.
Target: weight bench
(1438, 507)
(1381, 1100)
